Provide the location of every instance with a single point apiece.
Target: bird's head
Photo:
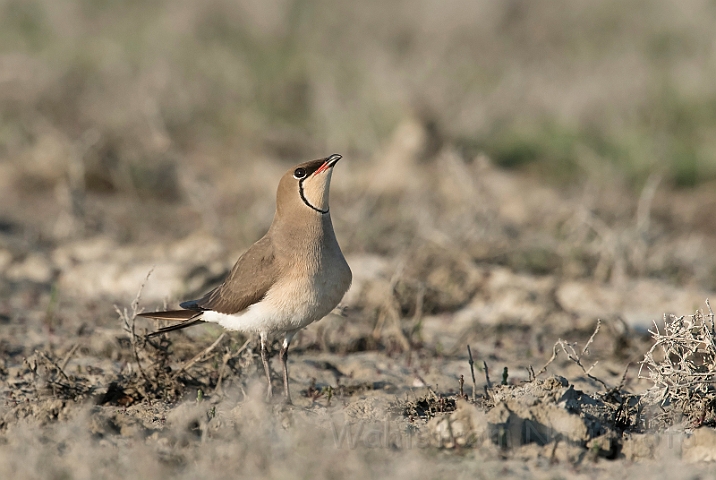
(305, 187)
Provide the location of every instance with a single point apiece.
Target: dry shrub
(682, 364)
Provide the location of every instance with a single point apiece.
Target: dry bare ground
(521, 273)
(543, 321)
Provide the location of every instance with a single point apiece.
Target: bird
(293, 276)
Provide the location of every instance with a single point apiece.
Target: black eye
(299, 173)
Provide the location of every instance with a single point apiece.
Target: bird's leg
(267, 368)
(283, 355)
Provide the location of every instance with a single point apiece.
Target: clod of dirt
(438, 279)
(367, 408)
(42, 412)
(640, 446)
(701, 446)
(106, 422)
(538, 413)
(466, 426)
(426, 407)
(606, 446)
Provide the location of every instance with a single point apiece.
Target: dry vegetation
(681, 364)
(516, 174)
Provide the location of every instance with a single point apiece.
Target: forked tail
(186, 318)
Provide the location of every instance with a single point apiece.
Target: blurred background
(549, 86)
(567, 140)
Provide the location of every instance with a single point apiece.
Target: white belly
(288, 306)
(258, 318)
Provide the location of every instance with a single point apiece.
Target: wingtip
(178, 326)
(172, 315)
(190, 305)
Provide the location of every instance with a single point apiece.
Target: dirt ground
(554, 291)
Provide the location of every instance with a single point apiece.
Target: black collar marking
(305, 200)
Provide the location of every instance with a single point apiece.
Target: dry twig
(569, 350)
(200, 355)
(472, 372)
(69, 355)
(128, 323)
(225, 361)
(487, 375)
(54, 364)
